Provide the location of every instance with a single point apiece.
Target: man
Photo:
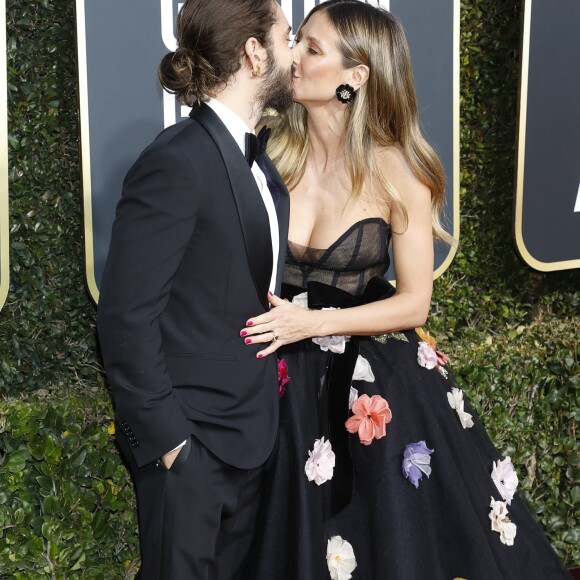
(197, 244)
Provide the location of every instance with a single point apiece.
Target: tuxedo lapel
(283, 211)
(252, 213)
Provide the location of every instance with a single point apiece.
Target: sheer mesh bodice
(349, 263)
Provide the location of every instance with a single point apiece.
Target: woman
(399, 480)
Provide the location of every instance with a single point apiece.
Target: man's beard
(276, 92)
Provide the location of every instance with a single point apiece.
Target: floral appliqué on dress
(370, 417)
(416, 462)
(319, 467)
(340, 558)
(283, 377)
(455, 398)
(505, 478)
(428, 356)
(501, 523)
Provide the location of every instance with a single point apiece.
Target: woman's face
(318, 68)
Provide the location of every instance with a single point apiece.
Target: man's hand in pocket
(170, 457)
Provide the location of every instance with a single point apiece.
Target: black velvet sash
(335, 389)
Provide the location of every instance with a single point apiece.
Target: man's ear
(254, 56)
(358, 76)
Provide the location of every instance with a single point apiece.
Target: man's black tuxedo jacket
(190, 261)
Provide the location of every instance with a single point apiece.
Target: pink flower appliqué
(428, 356)
(370, 417)
(283, 377)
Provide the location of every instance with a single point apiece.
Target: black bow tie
(256, 146)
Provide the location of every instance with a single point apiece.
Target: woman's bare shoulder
(397, 169)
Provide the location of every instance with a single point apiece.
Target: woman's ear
(359, 75)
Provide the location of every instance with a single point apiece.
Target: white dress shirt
(238, 129)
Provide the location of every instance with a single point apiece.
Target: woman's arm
(413, 264)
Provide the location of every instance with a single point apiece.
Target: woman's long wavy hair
(383, 113)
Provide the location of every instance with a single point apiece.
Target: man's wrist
(176, 448)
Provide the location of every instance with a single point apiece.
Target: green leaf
(45, 482)
(19, 516)
(78, 459)
(51, 505)
(78, 563)
(50, 531)
(17, 460)
(35, 546)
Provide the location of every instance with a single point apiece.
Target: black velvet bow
(256, 145)
(335, 389)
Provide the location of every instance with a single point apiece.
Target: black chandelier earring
(345, 94)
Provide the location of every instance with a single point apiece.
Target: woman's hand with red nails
(286, 321)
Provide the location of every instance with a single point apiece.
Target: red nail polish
(248, 341)
(243, 333)
(249, 323)
(260, 355)
(270, 294)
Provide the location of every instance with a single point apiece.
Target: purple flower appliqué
(416, 461)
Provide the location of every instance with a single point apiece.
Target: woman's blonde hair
(383, 113)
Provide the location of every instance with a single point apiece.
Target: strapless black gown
(438, 529)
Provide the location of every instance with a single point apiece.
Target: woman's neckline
(343, 235)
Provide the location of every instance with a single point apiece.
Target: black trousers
(197, 519)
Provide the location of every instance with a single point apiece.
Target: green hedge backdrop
(66, 504)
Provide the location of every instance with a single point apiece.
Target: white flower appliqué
(363, 371)
(335, 344)
(505, 479)
(455, 398)
(319, 466)
(501, 523)
(340, 558)
(352, 397)
(301, 300)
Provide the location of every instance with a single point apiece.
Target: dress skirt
(427, 518)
